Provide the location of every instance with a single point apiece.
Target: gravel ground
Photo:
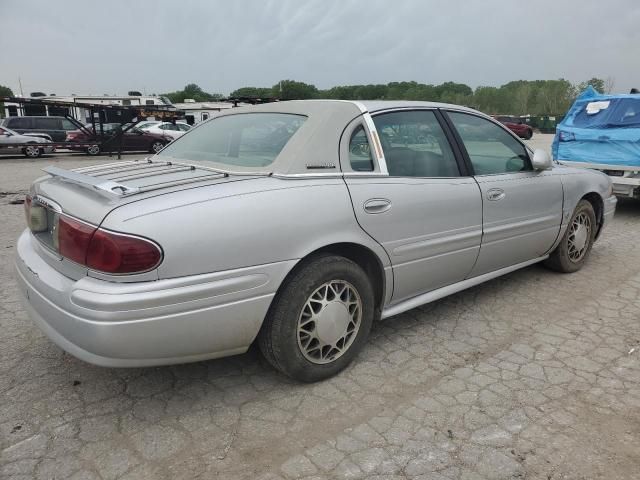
(534, 375)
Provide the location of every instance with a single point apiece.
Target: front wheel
(32, 151)
(319, 320)
(528, 134)
(575, 246)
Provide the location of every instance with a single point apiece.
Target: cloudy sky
(112, 46)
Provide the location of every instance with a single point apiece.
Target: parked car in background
(517, 125)
(133, 139)
(602, 132)
(54, 127)
(275, 224)
(37, 144)
(173, 130)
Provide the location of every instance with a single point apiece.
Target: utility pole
(20, 83)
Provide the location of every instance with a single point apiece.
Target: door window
(48, 123)
(492, 150)
(360, 151)
(19, 122)
(415, 145)
(67, 125)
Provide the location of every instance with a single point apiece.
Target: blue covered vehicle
(603, 132)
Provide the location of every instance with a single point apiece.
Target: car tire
(575, 246)
(156, 146)
(32, 151)
(319, 320)
(528, 134)
(93, 150)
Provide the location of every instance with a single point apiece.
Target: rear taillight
(71, 238)
(96, 248)
(117, 253)
(36, 215)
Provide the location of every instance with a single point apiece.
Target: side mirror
(541, 160)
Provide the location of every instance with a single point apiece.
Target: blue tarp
(600, 129)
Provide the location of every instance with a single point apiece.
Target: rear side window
(360, 151)
(491, 149)
(20, 122)
(244, 140)
(415, 145)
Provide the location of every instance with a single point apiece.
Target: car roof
(377, 105)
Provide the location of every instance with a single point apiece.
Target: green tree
(597, 83)
(253, 92)
(194, 92)
(293, 90)
(4, 92)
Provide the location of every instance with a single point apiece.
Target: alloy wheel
(32, 152)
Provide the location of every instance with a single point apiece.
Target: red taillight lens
(116, 253)
(73, 239)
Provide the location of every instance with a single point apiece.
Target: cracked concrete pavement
(534, 375)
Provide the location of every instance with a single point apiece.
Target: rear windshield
(244, 140)
(611, 113)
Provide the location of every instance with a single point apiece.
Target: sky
(113, 46)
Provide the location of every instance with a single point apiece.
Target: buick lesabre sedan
(294, 225)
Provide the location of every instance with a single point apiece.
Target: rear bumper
(147, 323)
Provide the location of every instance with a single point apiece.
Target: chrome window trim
(377, 146)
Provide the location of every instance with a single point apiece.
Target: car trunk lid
(90, 193)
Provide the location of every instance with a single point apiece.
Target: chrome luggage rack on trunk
(111, 178)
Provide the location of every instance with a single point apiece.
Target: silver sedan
(295, 225)
(31, 145)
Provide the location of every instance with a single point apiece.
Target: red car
(132, 140)
(517, 125)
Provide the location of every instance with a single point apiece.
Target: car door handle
(377, 205)
(496, 194)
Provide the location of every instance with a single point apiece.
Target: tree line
(520, 97)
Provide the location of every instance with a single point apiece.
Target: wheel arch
(597, 203)
(357, 253)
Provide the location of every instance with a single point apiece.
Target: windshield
(614, 113)
(241, 140)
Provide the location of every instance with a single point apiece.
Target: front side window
(49, 123)
(244, 140)
(68, 125)
(491, 149)
(360, 151)
(415, 145)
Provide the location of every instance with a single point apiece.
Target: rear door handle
(377, 205)
(495, 194)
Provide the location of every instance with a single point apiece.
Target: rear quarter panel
(245, 223)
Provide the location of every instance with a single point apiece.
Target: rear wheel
(575, 246)
(32, 151)
(319, 320)
(528, 134)
(156, 146)
(93, 150)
